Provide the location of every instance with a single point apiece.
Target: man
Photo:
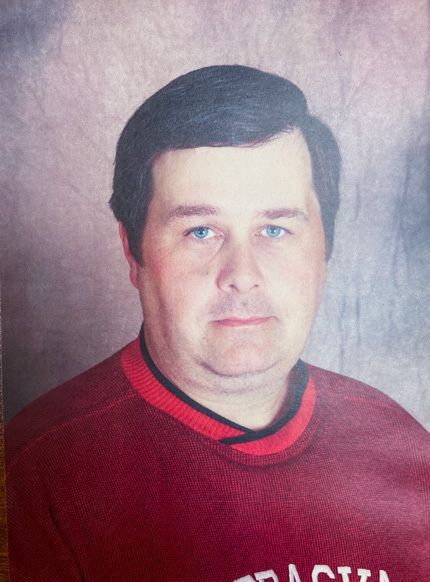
(206, 450)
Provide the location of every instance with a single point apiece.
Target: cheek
(296, 281)
(172, 285)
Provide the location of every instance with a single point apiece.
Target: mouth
(241, 322)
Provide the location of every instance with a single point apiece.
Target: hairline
(272, 137)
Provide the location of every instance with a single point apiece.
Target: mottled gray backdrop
(74, 71)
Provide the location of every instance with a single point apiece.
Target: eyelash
(284, 231)
(190, 232)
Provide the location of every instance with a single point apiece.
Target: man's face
(233, 259)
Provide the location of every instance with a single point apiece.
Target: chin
(240, 361)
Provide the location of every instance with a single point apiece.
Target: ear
(128, 255)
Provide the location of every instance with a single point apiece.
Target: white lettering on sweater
(267, 575)
(344, 571)
(321, 570)
(320, 573)
(293, 574)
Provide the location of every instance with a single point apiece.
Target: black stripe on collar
(299, 375)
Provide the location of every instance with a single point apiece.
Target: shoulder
(343, 387)
(96, 390)
(356, 404)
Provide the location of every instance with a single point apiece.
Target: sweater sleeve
(38, 548)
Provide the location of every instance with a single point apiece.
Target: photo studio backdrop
(73, 72)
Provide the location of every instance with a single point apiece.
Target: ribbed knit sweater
(117, 475)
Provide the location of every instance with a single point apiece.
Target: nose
(239, 270)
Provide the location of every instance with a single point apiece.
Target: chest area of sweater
(205, 517)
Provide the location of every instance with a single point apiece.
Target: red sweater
(117, 475)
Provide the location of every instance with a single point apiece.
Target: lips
(239, 321)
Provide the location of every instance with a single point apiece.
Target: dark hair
(228, 105)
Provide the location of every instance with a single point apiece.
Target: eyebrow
(275, 213)
(183, 211)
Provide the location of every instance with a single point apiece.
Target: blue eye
(272, 231)
(202, 232)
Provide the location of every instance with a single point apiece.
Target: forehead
(272, 171)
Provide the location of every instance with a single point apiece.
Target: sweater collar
(159, 391)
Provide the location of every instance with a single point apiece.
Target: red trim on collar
(149, 388)
(145, 383)
(288, 434)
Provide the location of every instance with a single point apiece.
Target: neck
(255, 408)
(253, 401)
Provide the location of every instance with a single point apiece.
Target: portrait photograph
(215, 290)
